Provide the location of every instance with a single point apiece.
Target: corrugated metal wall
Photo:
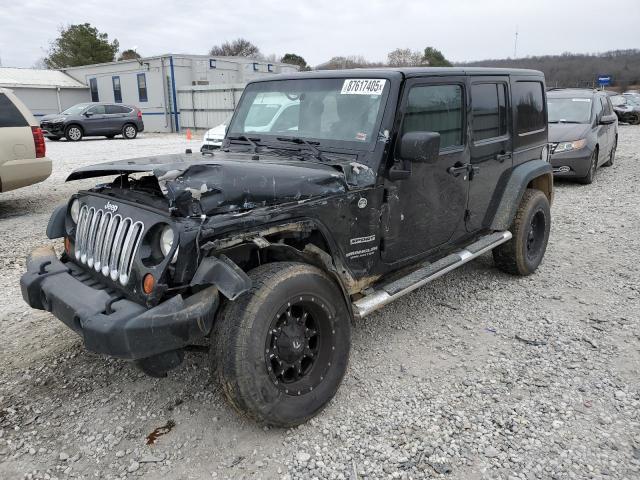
(204, 107)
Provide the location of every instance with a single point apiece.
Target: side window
(116, 109)
(142, 87)
(117, 92)
(597, 110)
(489, 110)
(606, 106)
(529, 100)
(93, 85)
(10, 116)
(97, 110)
(436, 108)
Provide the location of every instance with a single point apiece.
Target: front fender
(538, 174)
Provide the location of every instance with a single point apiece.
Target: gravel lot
(478, 375)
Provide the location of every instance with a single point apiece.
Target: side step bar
(398, 288)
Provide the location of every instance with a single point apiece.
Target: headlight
(166, 240)
(75, 210)
(566, 146)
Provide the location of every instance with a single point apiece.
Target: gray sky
(318, 30)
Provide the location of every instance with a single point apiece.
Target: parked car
(213, 137)
(383, 181)
(627, 108)
(583, 132)
(93, 119)
(23, 159)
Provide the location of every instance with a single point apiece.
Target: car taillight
(139, 115)
(38, 140)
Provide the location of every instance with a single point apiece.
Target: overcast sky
(317, 30)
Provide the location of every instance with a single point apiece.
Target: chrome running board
(416, 279)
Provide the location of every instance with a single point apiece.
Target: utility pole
(515, 45)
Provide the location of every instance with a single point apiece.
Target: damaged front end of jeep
(150, 256)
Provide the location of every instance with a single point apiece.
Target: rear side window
(116, 109)
(529, 100)
(10, 116)
(489, 110)
(436, 108)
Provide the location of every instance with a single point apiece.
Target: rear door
(16, 137)
(117, 116)
(491, 146)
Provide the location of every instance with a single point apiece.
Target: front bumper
(211, 144)
(572, 164)
(109, 324)
(52, 129)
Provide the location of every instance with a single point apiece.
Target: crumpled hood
(568, 132)
(196, 183)
(53, 117)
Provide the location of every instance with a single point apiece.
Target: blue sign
(604, 80)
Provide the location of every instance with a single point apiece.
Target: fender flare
(55, 227)
(537, 173)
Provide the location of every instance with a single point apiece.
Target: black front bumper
(52, 129)
(111, 325)
(572, 164)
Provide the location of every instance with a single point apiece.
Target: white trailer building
(44, 91)
(157, 84)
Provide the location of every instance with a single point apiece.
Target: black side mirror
(87, 114)
(419, 146)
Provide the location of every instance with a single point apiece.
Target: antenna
(515, 45)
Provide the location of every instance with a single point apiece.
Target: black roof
(406, 72)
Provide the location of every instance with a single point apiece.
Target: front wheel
(612, 155)
(280, 350)
(530, 229)
(73, 133)
(129, 131)
(593, 166)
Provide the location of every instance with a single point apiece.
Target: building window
(255, 67)
(142, 87)
(93, 85)
(436, 108)
(212, 63)
(270, 67)
(117, 92)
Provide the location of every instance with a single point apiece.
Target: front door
(491, 147)
(96, 121)
(423, 211)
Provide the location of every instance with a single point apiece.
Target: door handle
(458, 168)
(501, 157)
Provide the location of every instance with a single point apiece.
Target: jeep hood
(568, 132)
(202, 184)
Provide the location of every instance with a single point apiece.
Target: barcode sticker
(363, 86)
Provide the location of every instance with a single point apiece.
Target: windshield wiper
(251, 141)
(310, 146)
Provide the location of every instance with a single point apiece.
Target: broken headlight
(166, 240)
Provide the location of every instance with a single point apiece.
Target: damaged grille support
(107, 242)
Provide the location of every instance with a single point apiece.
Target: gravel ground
(478, 375)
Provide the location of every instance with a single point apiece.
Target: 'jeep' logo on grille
(111, 206)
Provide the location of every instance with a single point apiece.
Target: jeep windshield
(340, 112)
(569, 110)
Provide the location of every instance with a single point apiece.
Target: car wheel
(634, 119)
(593, 166)
(612, 155)
(280, 350)
(73, 133)
(530, 229)
(129, 131)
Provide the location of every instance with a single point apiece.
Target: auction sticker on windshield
(363, 86)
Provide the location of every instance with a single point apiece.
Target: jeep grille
(107, 242)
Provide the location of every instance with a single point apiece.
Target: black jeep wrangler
(334, 194)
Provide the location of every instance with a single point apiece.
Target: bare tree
(404, 57)
(351, 61)
(239, 47)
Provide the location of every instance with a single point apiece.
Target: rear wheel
(129, 131)
(280, 350)
(530, 229)
(634, 119)
(73, 133)
(612, 155)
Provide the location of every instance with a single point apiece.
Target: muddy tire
(281, 350)
(530, 229)
(612, 155)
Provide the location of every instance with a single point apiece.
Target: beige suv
(22, 151)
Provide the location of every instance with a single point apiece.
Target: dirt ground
(478, 375)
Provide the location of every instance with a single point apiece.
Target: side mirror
(607, 119)
(87, 114)
(419, 146)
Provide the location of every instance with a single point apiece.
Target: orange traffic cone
(189, 136)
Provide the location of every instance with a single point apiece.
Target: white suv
(22, 150)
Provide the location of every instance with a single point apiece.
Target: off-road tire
(514, 256)
(129, 131)
(612, 155)
(73, 133)
(593, 166)
(244, 330)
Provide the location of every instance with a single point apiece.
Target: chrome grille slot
(107, 242)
